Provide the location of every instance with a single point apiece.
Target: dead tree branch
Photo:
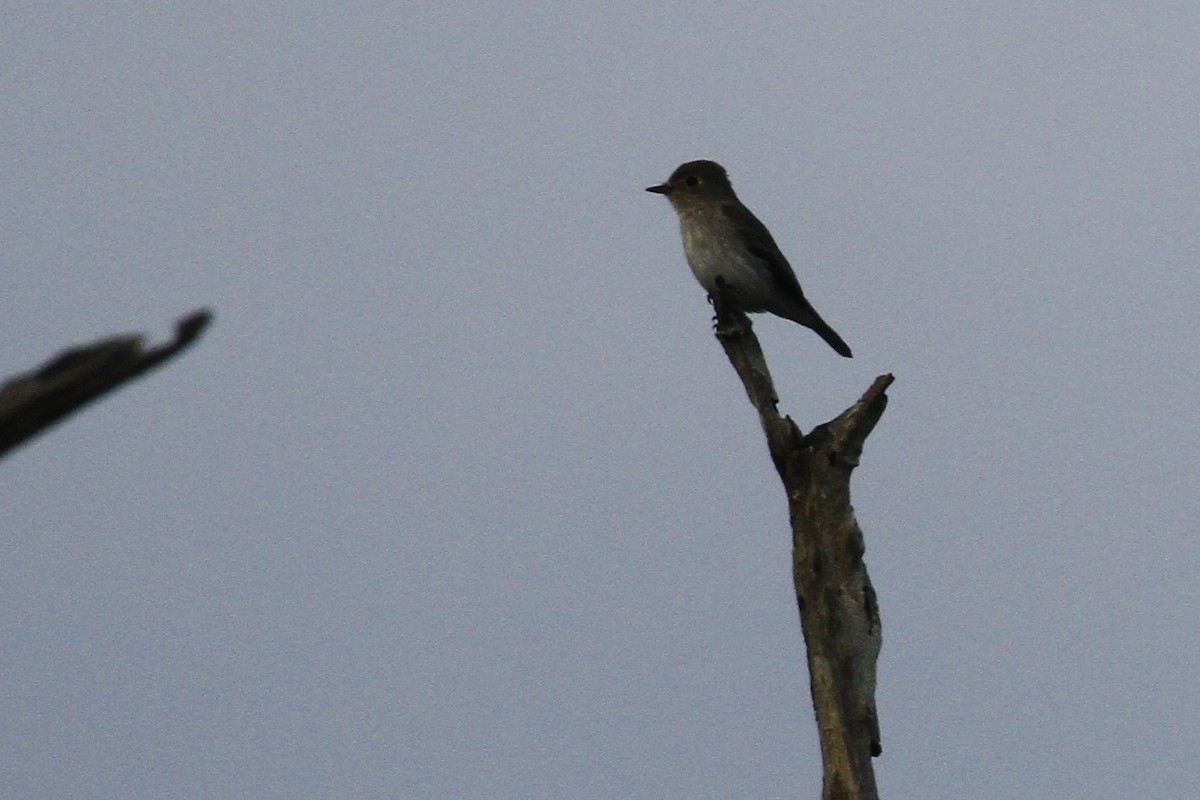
(838, 611)
(34, 401)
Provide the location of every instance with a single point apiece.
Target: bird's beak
(662, 188)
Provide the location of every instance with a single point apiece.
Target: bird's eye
(691, 180)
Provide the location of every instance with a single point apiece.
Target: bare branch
(838, 610)
(34, 401)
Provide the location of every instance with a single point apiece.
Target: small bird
(731, 252)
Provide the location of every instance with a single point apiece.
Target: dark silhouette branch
(34, 401)
(838, 611)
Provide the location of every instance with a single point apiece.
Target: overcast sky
(458, 498)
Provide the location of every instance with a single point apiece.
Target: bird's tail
(831, 338)
(807, 316)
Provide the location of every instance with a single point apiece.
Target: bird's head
(696, 181)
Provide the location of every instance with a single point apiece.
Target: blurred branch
(34, 401)
(838, 610)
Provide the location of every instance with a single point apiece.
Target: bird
(732, 254)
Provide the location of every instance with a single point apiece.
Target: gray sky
(460, 499)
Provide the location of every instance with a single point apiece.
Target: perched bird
(731, 252)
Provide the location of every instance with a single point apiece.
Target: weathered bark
(838, 611)
(34, 401)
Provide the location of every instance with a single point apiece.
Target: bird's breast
(715, 250)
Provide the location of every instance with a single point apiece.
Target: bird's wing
(762, 246)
